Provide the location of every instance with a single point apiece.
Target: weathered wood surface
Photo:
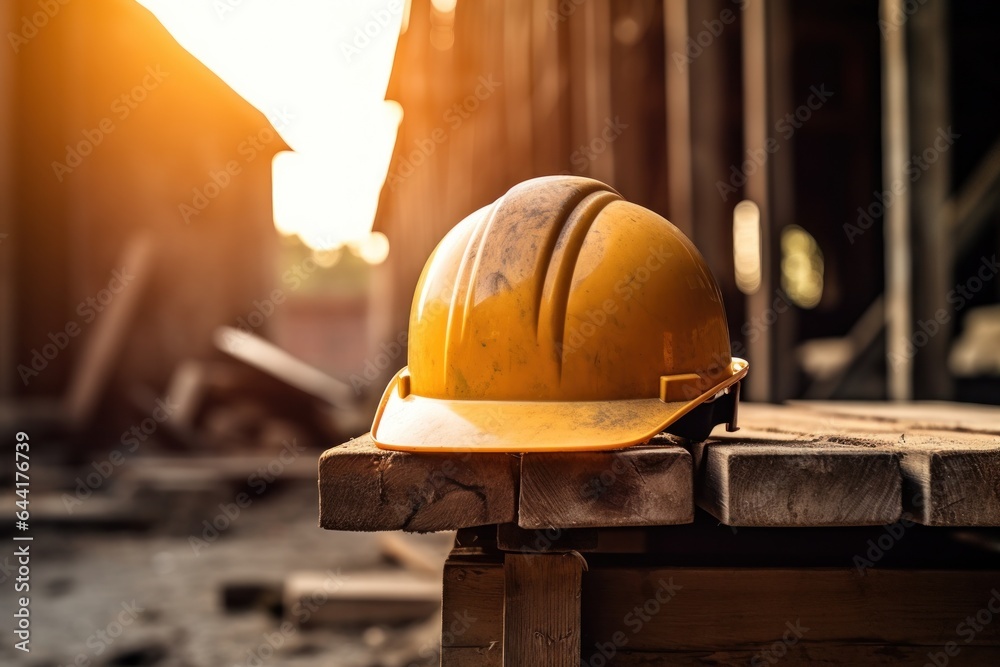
(823, 464)
(472, 612)
(726, 616)
(645, 485)
(807, 464)
(358, 599)
(541, 618)
(365, 488)
(767, 483)
(716, 608)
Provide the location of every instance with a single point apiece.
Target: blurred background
(213, 214)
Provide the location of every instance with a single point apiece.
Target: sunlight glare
(325, 66)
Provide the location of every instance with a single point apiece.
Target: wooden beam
(472, 612)
(365, 488)
(798, 484)
(359, 599)
(541, 620)
(646, 485)
(709, 608)
(756, 128)
(948, 457)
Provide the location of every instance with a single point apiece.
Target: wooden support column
(756, 130)
(541, 617)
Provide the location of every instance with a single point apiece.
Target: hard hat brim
(413, 423)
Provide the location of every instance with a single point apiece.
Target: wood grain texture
(365, 488)
(472, 612)
(646, 485)
(541, 621)
(779, 484)
(716, 608)
(948, 457)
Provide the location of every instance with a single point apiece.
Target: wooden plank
(950, 453)
(798, 484)
(713, 608)
(647, 485)
(422, 555)
(106, 340)
(472, 612)
(764, 475)
(469, 656)
(365, 488)
(358, 599)
(917, 415)
(541, 621)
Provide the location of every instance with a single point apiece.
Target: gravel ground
(168, 599)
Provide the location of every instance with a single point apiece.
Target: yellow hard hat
(561, 318)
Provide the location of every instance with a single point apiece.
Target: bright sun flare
(325, 67)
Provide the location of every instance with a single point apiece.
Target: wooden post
(541, 616)
(755, 131)
(896, 152)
